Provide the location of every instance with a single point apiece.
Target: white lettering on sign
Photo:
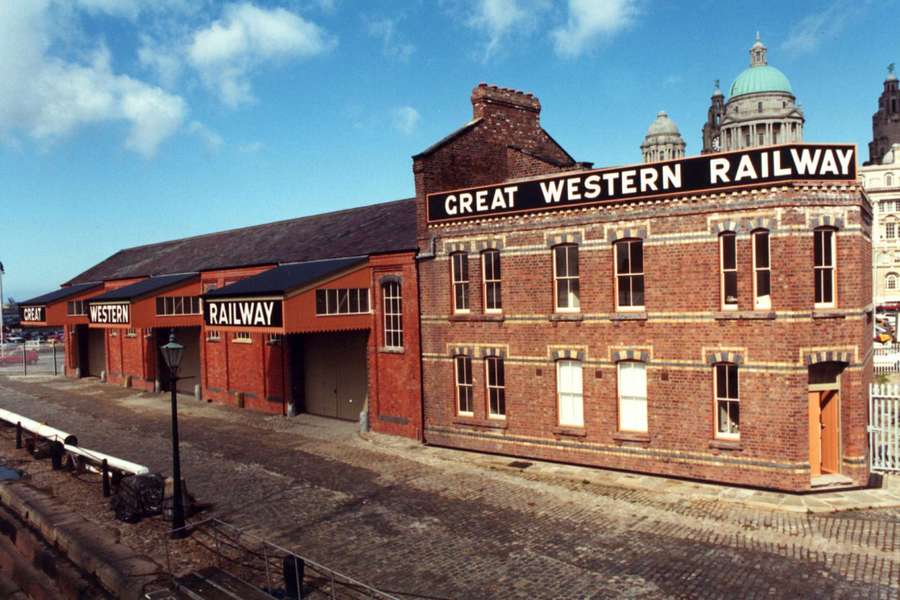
(33, 313)
(113, 314)
(253, 313)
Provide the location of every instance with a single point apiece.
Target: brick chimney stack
(490, 100)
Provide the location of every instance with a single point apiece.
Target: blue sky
(124, 122)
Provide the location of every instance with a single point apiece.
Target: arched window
(890, 282)
(393, 314)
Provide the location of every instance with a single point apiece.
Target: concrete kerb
(819, 503)
(121, 571)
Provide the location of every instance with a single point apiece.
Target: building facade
(761, 109)
(886, 120)
(663, 140)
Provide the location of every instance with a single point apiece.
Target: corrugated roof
(61, 294)
(142, 288)
(373, 229)
(282, 279)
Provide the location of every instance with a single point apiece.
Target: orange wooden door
(830, 432)
(815, 433)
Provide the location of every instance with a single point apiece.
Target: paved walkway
(435, 523)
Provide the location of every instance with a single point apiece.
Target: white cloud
(131, 9)
(47, 97)
(500, 18)
(385, 29)
(164, 62)
(405, 119)
(591, 22)
(225, 52)
(210, 138)
(806, 35)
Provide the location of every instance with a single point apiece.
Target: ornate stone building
(761, 109)
(663, 140)
(886, 120)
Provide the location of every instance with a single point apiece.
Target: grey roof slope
(60, 294)
(372, 229)
(144, 287)
(285, 278)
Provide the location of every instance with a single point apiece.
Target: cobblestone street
(435, 523)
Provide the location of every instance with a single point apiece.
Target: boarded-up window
(632, 396)
(570, 391)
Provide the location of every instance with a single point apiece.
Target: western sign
(110, 314)
(805, 162)
(33, 314)
(242, 313)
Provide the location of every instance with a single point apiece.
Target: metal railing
(884, 427)
(276, 571)
(33, 357)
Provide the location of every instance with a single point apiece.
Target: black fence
(28, 358)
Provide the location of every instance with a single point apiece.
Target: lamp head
(172, 353)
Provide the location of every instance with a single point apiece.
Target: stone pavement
(434, 523)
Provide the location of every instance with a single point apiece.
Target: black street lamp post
(172, 355)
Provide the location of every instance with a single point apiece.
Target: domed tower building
(712, 128)
(886, 121)
(663, 140)
(761, 109)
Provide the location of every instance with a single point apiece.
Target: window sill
(725, 444)
(629, 316)
(825, 313)
(392, 350)
(566, 316)
(477, 318)
(745, 315)
(233, 341)
(486, 423)
(570, 430)
(631, 436)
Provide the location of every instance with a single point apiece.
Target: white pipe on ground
(53, 434)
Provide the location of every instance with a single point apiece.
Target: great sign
(242, 313)
(110, 313)
(34, 314)
(806, 162)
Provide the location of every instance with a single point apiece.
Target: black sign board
(240, 312)
(33, 314)
(805, 162)
(110, 313)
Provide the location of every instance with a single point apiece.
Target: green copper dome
(760, 78)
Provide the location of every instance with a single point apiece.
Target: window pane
(763, 283)
(632, 414)
(734, 414)
(364, 300)
(320, 302)
(732, 381)
(632, 379)
(637, 290)
(572, 260)
(332, 298)
(730, 287)
(817, 250)
(826, 247)
(723, 417)
(827, 285)
(729, 258)
(762, 249)
(637, 257)
(495, 263)
(622, 258)
(354, 300)
(624, 291)
(574, 301)
(721, 388)
(160, 306)
(820, 296)
(559, 254)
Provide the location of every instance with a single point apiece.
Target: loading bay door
(96, 351)
(335, 374)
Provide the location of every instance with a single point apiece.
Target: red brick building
(707, 317)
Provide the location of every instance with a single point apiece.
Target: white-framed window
(465, 404)
(242, 336)
(393, 314)
(890, 282)
(570, 393)
(890, 231)
(565, 277)
(728, 267)
(213, 335)
(76, 308)
(131, 332)
(167, 306)
(342, 301)
(490, 268)
(762, 270)
(824, 264)
(728, 406)
(632, 396)
(460, 274)
(496, 387)
(629, 274)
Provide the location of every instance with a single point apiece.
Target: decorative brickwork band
(461, 351)
(759, 223)
(811, 358)
(724, 357)
(565, 238)
(566, 354)
(458, 247)
(485, 352)
(723, 226)
(639, 355)
(482, 245)
(613, 235)
(827, 221)
(390, 279)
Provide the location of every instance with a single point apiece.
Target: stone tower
(663, 140)
(886, 121)
(712, 142)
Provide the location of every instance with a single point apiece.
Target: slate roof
(60, 294)
(373, 229)
(142, 288)
(284, 278)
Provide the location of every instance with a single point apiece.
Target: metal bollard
(19, 435)
(24, 360)
(55, 372)
(56, 455)
(292, 569)
(104, 469)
